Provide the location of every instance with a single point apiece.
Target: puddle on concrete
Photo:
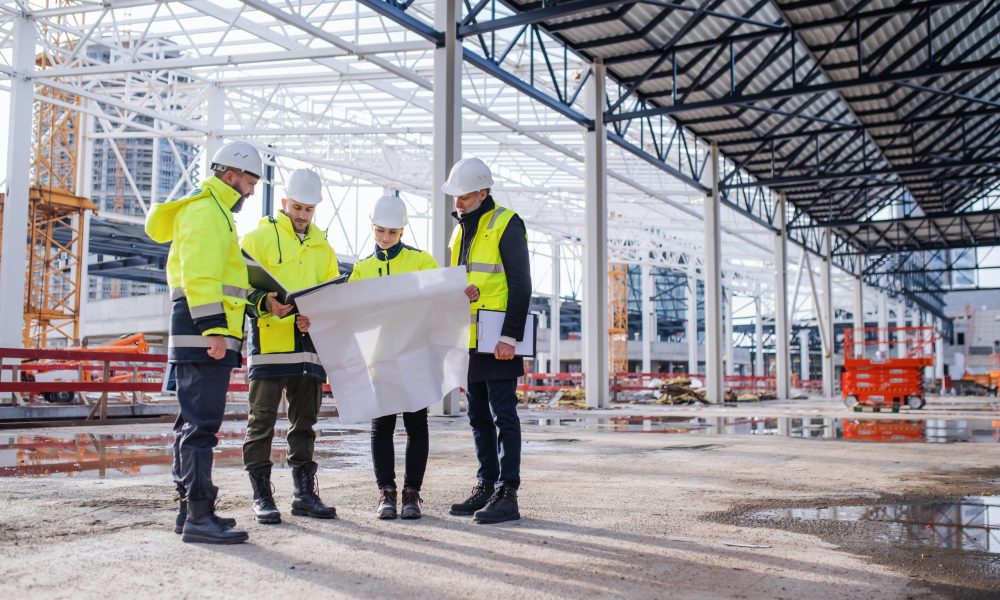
(828, 428)
(114, 455)
(971, 524)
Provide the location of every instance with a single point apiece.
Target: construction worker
(208, 286)
(491, 242)
(392, 257)
(282, 357)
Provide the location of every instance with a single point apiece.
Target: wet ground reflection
(970, 524)
(829, 428)
(115, 454)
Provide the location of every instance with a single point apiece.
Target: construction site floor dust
(765, 500)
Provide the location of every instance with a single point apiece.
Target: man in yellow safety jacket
(491, 242)
(391, 257)
(208, 288)
(282, 356)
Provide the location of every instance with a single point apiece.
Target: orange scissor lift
(873, 378)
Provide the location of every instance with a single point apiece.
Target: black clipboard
(262, 279)
(487, 336)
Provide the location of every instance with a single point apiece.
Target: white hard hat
(239, 155)
(305, 187)
(468, 175)
(389, 211)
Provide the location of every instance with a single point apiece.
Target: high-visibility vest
(277, 348)
(205, 272)
(484, 266)
(405, 259)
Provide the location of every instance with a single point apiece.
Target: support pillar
(648, 318)
(447, 143)
(691, 326)
(804, 367)
(215, 114)
(782, 333)
(595, 246)
(713, 288)
(901, 336)
(758, 336)
(829, 341)
(939, 353)
(555, 311)
(728, 343)
(883, 325)
(859, 310)
(13, 252)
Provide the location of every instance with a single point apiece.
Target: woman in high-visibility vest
(392, 257)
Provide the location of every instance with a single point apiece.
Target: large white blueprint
(391, 344)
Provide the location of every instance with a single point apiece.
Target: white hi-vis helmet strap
(468, 175)
(305, 187)
(389, 211)
(239, 155)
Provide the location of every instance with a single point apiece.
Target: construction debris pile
(681, 390)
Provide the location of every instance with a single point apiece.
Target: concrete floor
(636, 502)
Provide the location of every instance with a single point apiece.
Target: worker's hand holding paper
(391, 344)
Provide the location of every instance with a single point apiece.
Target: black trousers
(201, 394)
(305, 394)
(496, 430)
(384, 454)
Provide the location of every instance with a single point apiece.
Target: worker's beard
(239, 204)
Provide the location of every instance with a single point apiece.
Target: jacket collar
(221, 191)
(389, 253)
(473, 216)
(284, 222)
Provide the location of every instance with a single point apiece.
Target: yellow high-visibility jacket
(205, 271)
(277, 348)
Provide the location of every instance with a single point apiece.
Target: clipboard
(262, 279)
(488, 326)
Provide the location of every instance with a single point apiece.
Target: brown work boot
(411, 504)
(387, 503)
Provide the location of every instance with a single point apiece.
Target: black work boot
(182, 513)
(305, 502)
(502, 507)
(203, 527)
(386, 503)
(480, 496)
(264, 507)
(411, 504)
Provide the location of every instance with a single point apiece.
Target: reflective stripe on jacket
(483, 264)
(205, 271)
(277, 348)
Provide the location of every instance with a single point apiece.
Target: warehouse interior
(773, 225)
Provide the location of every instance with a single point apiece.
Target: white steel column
(13, 252)
(447, 122)
(648, 318)
(829, 341)
(691, 311)
(883, 324)
(939, 353)
(804, 366)
(782, 334)
(555, 311)
(447, 144)
(595, 253)
(859, 309)
(758, 336)
(215, 112)
(901, 336)
(713, 288)
(729, 344)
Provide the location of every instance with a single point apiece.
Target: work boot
(386, 503)
(305, 501)
(480, 496)
(203, 527)
(264, 507)
(502, 507)
(182, 513)
(411, 504)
